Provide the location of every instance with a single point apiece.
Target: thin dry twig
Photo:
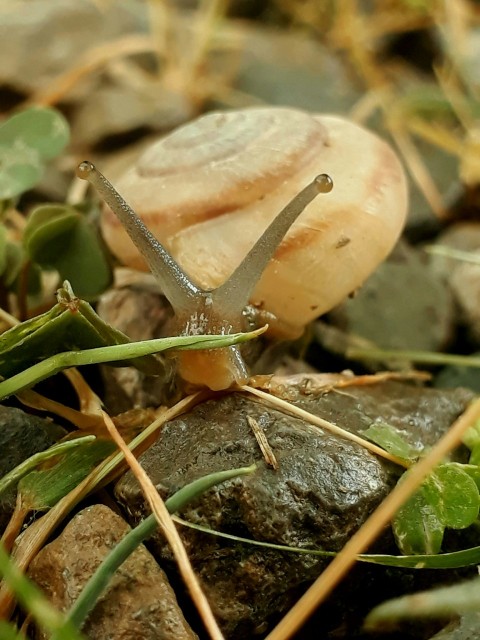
(92, 60)
(287, 407)
(167, 526)
(355, 31)
(418, 170)
(357, 544)
(209, 13)
(8, 318)
(263, 443)
(323, 383)
(84, 421)
(88, 417)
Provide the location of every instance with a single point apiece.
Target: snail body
(209, 189)
(208, 197)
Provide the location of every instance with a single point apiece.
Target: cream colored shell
(210, 188)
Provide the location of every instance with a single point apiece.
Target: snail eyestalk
(234, 294)
(176, 285)
(199, 311)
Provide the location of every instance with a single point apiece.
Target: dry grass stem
(9, 320)
(14, 525)
(208, 14)
(36, 536)
(92, 60)
(160, 19)
(358, 32)
(167, 526)
(437, 135)
(88, 417)
(263, 443)
(370, 530)
(291, 409)
(418, 171)
(89, 401)
(84, 421)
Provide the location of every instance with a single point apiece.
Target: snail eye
(324, 183)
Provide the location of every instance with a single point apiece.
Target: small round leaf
(41, 129)
(60, 237)
(418, 526)
(460, 500)
(20, 170)
(27, 139)
(47, 231)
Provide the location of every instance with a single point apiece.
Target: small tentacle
(234, 294)
(176, 285)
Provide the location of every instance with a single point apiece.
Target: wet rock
(466, 628)
(403, 305)
(463, 277)
(139, 604)
(141, 315)
(456, 376)
(324, 489)
(21, 436)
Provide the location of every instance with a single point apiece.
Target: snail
(209, 191)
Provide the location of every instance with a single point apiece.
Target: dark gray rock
(324, 489)
(463, 277)
(21, 436)
(456, 376)
(405, 304)
(466, 628)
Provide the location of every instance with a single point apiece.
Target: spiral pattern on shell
(209, 189)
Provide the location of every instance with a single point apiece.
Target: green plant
(57, 237)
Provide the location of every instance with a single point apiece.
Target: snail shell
(209, 189)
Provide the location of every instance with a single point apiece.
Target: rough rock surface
(323, 491)
(403, 305)
(466, 628)
(457, 376)
(141, 315)
(463, 277)
(21, 436)
(139, 604)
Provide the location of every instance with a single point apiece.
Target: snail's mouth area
(216, 369)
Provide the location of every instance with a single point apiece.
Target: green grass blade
(9, 632)
(454, 560)
(30, 463)
(60, 361)
(435, 603)
(130, 542)
(421, 357)
(33, 601)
